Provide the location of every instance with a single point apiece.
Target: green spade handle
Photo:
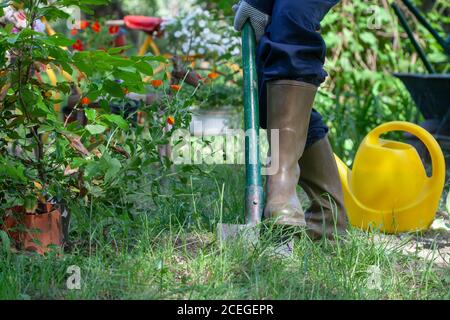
(254, 194)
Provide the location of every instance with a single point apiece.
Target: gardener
(291, 54)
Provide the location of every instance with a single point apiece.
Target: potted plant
(44, 159)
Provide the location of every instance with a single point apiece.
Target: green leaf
(90, 114)
(12, 171)
(12, 38)
(52, 13)
(113, 88)
(118, 50)
(144, 68)
(92, 170)
(114, 166)
(58, 40)
(116, 61)
(368, 38)
(30, 203)
(95, 128)
(117, 120)
(127, 76)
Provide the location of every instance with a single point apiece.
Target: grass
(168, 250)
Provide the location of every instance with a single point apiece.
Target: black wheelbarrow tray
(431, 93)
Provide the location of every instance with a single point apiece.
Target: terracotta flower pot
(35, 232)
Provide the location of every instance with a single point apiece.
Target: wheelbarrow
(430, 92)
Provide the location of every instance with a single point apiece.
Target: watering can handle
(437, 157)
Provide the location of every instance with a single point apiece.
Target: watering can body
(388, 188)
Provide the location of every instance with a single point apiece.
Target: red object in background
(85, 101)
(157, 83)
(213, 75)
(120, 41)
(84, 24)
(78, 45)
(114, 29)
(74, 32)
(96, 27)
(171, 120)
(147, 24)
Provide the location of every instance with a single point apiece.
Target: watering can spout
(388, 188)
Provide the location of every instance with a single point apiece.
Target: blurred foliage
(365, 46)
(117, 8)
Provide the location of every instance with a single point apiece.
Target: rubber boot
(326, 216)
(289, 110)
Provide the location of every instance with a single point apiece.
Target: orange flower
(126, 91)
(74, 31)
(48, 94)
(171, 120)
(157, 83)
(84, 24)
(213, 75)
(96, 27)
(175, 87)
(85, 101)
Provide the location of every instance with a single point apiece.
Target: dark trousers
(293, 48)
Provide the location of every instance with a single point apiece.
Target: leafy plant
(43, 156)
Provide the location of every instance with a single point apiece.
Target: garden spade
(254, 194)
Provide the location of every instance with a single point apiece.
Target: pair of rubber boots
(289, 110)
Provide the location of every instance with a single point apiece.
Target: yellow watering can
(388, 188)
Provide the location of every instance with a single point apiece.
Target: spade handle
(254, 195)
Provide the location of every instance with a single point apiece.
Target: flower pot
(34, 232)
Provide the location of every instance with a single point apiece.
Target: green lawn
(168, 250)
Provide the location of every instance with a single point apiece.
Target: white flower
(168, 22)
(206, 32)
(202, 23)
(197, 11)
(185, 32)
(185, 47)
(236, 51)
(196, 41)
(177, 34)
